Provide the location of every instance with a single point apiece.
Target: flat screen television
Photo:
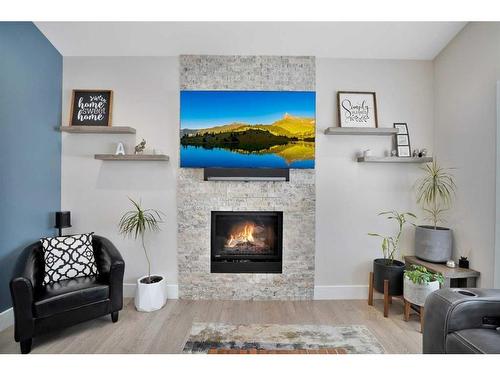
(247, 129)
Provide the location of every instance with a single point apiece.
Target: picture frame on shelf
(91, 107)
(357, 109)
(402, 140)
(404, 152)
(402, 127)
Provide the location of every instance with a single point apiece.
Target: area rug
(220, 338)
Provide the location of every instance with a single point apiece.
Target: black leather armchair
(460, 321)
(42, 308)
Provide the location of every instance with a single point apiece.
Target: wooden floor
(166, 330)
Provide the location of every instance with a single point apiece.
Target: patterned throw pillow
(68, 257)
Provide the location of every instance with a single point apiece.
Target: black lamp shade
(63, 219)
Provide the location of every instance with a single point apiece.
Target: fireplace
(246, 242)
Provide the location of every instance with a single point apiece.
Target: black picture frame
(402, 140)
(404, 151)
(91, 107)
(401, 125)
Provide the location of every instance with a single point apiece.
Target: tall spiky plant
(390, 244)
(435, 192)
(137, 222)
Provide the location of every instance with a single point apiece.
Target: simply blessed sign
(91, 107)
(357, 109)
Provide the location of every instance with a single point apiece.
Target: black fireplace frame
(247, 263)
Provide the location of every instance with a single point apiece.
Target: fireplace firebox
(246, 242)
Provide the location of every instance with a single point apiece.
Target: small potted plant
(435, 193)
(419, 283)
(151, 292)
(388, 268)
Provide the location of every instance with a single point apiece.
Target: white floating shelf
(394, 159)
(360, 131)
(112, 157)
(97, 129)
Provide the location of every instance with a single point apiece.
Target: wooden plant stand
(387, 297)
(418, 309)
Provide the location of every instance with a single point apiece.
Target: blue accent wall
(30, 147)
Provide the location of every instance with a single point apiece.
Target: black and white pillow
(68, 257)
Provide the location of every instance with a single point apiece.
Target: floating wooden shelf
(393, 159)
(360, 131)
(112, 157)
(98, 129)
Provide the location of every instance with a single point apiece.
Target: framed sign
(357, 109)
(91, 108)
(403, 140)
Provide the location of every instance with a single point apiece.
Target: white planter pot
(150, 297)
(417, 293)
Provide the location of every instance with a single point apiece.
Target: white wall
(466, 73)
(349, 195)
(146, 97)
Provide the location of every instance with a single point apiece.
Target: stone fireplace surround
(196, 198)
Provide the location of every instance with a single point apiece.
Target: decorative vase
(150, 297)
(383, 269)
(433, 245)
(417, 293)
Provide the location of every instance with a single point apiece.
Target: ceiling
(360, 40)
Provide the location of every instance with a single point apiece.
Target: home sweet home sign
(91, 108)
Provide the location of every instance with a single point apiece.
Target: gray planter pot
(433, 245)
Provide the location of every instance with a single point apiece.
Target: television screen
(247, 129)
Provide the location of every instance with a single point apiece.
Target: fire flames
(241, 236)
(247, 237)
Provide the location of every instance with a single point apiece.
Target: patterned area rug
(272, 338)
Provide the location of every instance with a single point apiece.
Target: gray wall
(146, 97)
(466, 74)
(30, 161)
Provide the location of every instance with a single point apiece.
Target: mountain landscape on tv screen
(286, 142)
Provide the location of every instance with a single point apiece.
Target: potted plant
(419, 283)
(435, 193)
(151, 292)
(388, 268)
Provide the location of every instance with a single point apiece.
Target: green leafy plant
(390, 244)
(421, 275)
(137, 222)
(435, 192)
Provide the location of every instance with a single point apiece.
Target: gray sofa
(460, 321)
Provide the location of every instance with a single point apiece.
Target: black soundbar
(246, 174)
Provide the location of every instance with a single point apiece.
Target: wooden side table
(453, 277)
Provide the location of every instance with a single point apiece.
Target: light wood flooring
(166, 330)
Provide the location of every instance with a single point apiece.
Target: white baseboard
(322, 292)
(129, 290)
(6, 319)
